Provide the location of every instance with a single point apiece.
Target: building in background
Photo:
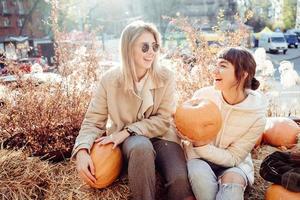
(205, 12)
(22, 32)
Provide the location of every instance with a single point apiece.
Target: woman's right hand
(85, 166)
(181, 136)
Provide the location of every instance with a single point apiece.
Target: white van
(273, 42)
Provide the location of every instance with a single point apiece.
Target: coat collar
(147, 93)
(150, 84)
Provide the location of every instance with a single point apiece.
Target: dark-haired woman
(223, 168)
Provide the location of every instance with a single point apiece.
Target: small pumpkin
(199, 120)
(107, 163)
(281, 131)
(277, 192)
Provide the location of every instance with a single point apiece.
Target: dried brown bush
(195, 73)
(46, 117)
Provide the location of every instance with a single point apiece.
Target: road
(292, 55)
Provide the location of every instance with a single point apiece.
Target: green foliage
(289, 13)
(260, 14)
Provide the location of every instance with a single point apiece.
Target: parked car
(291, 39)
(294, 31)
(273, 42)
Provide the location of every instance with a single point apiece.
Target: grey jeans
(204, 178)
(143, 154)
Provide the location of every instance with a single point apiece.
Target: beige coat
(243, 124)
(149, 114)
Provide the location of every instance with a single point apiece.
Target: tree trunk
(28, 16)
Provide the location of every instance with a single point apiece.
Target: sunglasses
(146, 47)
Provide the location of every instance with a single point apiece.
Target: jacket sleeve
(235, 153)
(159, 123)
(94, 123)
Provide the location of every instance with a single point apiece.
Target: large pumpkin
(107, 163)
(281, 131)
(277, 192)
(199, 120)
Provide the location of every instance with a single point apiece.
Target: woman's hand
(116, 138)
(85, 166)
(195, 143)
(199, 143)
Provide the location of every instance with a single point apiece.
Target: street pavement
(292, 55)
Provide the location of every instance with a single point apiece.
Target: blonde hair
(128, 37)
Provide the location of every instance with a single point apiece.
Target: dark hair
(243, 61)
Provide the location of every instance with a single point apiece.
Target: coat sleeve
(94, 123)
(235, 153)
(159, 123)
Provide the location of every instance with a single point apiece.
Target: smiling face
(224, 75)
(143, 51)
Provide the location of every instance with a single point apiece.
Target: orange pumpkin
(199, 120)
(107, 163)
(277, 192)
(281, 131)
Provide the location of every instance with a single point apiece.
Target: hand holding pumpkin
(85, 166)
(200, 143)
(198, 120)
(195, 143)
(116, 138)
(107, 164)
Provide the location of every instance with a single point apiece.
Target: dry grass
(23, 177)
(257, 190)
(67, 184)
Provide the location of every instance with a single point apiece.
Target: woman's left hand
(116, 138)
(198, 143)
(195, 143)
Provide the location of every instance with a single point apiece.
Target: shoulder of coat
(112, 76)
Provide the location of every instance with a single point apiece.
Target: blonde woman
(139, 98)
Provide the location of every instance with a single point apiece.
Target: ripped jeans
(206, 184)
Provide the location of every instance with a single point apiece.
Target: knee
(202, 179)
(180, 179)
(233, 178)
(198, 173)
(142, 149)
(231, 191)
(195, 168)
